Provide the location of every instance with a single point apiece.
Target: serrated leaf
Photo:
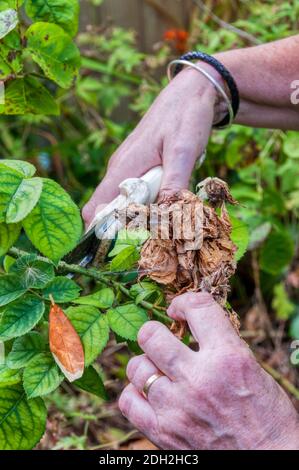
(93, 329)
(239, 236)
(65, 344)
(126, 320)
(41, 376)
(277, 252)
(54, 226)
(8, 21)
(8, 376)
(20, 317)
(24, 200)
(25, 168)
(91, 382)
(34, 273)
(11, 288)
(62, 290)
(24, 349)
(28, 96)
(22, 422)
(8, 235)
(53, 50)
(127, 238)
(103, 299)
(10, 180)
(63, 13)
(146, 290)
(126, 259)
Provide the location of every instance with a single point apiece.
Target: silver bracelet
(211, 79)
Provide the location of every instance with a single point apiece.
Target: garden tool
(105, 226)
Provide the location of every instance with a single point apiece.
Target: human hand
(216, 398)
(174, 133)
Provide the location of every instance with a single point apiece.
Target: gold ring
(152, 379)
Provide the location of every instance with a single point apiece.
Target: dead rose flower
(200, 257)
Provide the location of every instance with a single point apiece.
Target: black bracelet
(225, 74)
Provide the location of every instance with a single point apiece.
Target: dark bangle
(225, 74)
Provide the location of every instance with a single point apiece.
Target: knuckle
(148, 332)
(133, 366)
(87, 212)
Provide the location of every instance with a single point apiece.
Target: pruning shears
(105, 226)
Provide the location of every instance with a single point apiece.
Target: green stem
(97, 276)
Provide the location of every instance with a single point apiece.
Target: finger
(208, 322)
(166, 352)
(185, 143)
(138, 411)
(140, 369)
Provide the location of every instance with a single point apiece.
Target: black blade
(86, 248)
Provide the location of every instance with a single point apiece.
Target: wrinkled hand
(216, 398)
(174, 132)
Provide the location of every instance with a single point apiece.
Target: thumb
(208, 322)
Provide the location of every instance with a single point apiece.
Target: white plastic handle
(143, 190)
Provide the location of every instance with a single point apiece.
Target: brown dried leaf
(65, 344)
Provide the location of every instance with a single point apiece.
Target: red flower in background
(178, 38)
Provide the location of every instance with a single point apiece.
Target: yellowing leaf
(65, 344)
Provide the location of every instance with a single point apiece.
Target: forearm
(264, 75)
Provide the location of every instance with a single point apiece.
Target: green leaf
(127, 238)
(24, 200)
(92, 382)
(239, 236)
(291, 145)
(63, 13)
(93, 329)
(41, 376)
(11, 288)
(146, 290)
(24, 349)
(259, 235)
(20, 317)
(14, 4)
(126, 320)
(294, 327)
(103, 298)
(25, 168)
(62, 290)
(126, 259)
(35, 274)
(28, 96)
(54, 226)
(8, 262)
(277, 252)
(8, 235)
(53, 50)
(8, 376)
(8, 21)
(281, 303)
(22, 422)
(10, 180)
